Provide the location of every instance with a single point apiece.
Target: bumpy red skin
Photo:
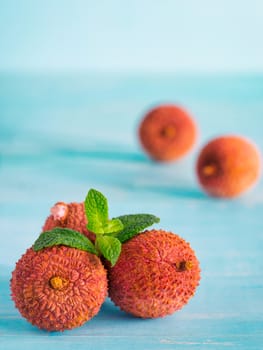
(67, 308)
(164, 146)
(237, 163)
(147, 281)
(75, 219)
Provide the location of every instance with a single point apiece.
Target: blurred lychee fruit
(227, 166)
(71, 215)
(167, 133)
(58, 288)
(156, 274)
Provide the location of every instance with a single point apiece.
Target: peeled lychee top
(69, 215)
(156, 274)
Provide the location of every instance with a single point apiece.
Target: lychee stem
(209, 170)
(58, 283)
(168, 131)
(183, 265)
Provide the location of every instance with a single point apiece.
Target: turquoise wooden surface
(61, 135)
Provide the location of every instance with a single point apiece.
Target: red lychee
(227, 166)
(58, 288)
(167, 132)
(156, 274)
(71, 215)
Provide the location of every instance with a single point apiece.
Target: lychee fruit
(71, 215)
(228, 166)
(58, 288)
(156, 274)
(167, 132)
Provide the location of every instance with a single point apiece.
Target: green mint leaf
(109, 247)
(113, 226)
(64, 236)
(96, 209)
(134, 224)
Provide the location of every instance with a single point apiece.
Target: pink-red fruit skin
(227, 166)
(156, 274)
(167, 133)
(58, 288)
(72, 217)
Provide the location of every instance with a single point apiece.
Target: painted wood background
(61, 135)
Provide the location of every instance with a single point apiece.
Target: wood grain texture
(61, 136)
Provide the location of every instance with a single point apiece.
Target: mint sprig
(110, 233)
(64, 236)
